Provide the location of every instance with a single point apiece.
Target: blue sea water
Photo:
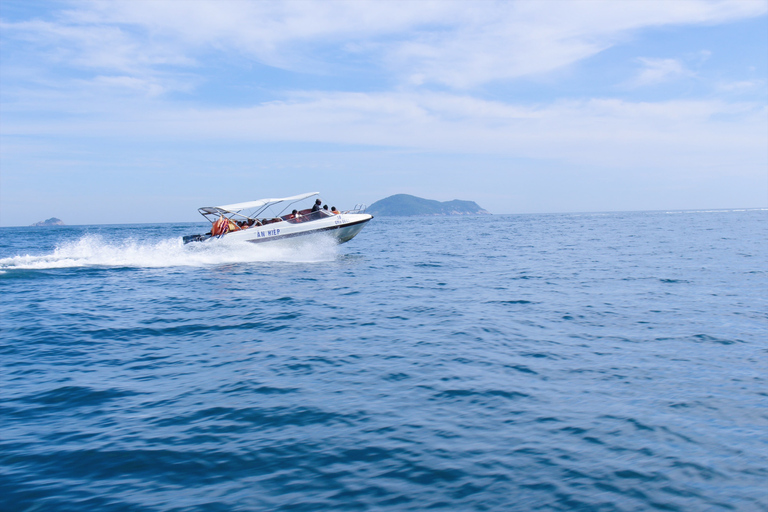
(596, 362)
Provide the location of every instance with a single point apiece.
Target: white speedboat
(266, 220)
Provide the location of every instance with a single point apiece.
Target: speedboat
(265, 220)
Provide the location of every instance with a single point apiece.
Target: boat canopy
(251, 205)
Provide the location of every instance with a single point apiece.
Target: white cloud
(594, 132)
(741, 86)
(134, 84)
(656, 71)
(603, 132)
(95, 46)
(458, 44)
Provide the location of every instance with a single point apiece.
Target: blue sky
(142, 111)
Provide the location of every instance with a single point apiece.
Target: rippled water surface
(608, 362)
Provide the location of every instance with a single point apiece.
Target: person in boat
(316, 207)
(334, 210)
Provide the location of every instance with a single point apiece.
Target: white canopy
(234, 208)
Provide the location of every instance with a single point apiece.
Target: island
(407, 205)
(53, 221)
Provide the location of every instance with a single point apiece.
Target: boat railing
(359, 208)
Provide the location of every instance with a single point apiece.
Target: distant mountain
(53, 221)
(404, 205)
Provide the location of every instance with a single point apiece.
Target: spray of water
(94, 251)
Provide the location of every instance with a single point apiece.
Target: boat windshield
(306, 216)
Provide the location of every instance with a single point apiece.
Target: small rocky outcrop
(53, 221)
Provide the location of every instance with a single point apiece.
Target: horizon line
(665, 210)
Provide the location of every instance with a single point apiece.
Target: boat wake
(95, 251)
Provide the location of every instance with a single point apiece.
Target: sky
(144, 110)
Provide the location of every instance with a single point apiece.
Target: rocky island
(53, 221)
(406, 205)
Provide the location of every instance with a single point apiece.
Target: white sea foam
(95, 251)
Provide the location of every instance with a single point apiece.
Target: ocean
(591, 362)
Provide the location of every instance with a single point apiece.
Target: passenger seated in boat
(334, 210)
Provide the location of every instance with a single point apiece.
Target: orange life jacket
(220, 227)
